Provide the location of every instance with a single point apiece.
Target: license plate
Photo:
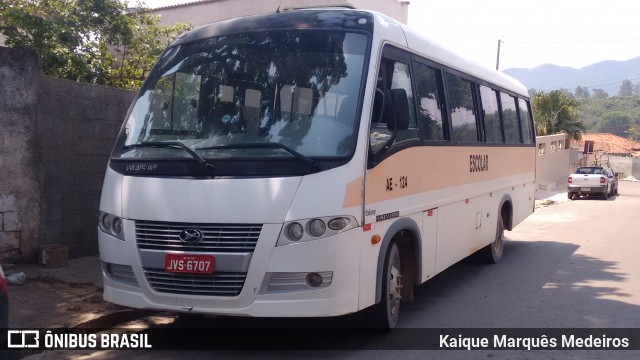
(185, 263)
(585, 189)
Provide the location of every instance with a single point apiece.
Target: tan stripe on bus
(431, 168)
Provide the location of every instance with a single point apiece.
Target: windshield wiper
(173, 145)
(267, 145)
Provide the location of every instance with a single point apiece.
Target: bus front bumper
(276, 282)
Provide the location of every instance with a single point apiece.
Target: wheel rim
(498, 244)
(395, 288)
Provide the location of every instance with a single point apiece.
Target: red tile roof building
(609, 144)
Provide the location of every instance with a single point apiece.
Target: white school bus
(310, 163)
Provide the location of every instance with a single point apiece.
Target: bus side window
(510, 119)
(491, 115)
(525, 121)
(462, 109)
(401, 79)
(393, 75)
(430, 101)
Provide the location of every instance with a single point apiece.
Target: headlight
(110, 224)
(116, 226)
(311, 229)
(295, 231)
(338, 223)
(317, 227)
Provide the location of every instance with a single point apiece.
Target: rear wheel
(492, 253)
(570, 195)
(385, 314)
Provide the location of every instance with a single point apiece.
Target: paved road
(573, 264)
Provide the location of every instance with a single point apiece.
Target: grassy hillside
(618, 115)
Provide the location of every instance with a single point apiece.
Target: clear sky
(573, 33)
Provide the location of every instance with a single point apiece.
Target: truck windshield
(296, 88)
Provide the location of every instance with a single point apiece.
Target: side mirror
(392, 108)
(397, 110)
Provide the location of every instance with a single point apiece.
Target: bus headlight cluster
(295, 231)
(312, 229)
(317, 227)
(111, 224)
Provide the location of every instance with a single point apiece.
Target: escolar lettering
(478, 163)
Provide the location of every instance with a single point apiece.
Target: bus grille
(217, 284)
(154, 235)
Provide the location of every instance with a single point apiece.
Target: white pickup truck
(592, 181)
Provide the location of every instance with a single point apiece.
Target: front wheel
(492, 253)
(385, 314)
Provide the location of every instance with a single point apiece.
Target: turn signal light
(375, 239)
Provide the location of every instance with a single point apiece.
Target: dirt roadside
(66, 297)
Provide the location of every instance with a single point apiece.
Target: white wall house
(553, 161)
(207, 11)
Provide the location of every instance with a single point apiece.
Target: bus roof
(332, 18)
(440, 54)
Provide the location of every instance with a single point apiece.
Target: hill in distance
(605, 75)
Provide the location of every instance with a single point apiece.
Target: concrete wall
(77, 124)
(205, 12)
(55, 140)
(553, 161)
(626, 165)
(19, 176)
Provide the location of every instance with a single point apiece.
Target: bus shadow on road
(540, 284)
(537, 284)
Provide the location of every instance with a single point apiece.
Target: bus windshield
(223, 97)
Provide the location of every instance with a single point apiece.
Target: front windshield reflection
(296, 88)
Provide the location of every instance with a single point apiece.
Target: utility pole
(498, 56)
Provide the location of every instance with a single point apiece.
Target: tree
(87, 40)
(599, 94)
(566, 92)
(634, 132)
(582, 92)
(626, 88)
(615, 122)
(555, 112)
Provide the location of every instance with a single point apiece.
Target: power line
(613, 83)
(597, 86)
(533, 42)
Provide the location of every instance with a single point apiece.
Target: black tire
(605, 195)
(570, 195)
(385, 314)
(492, 253)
